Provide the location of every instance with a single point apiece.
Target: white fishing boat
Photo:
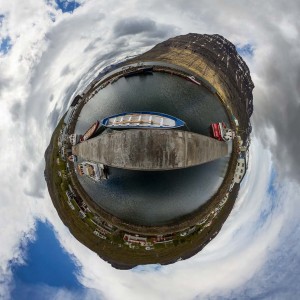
(193, 79)
(95, 171)
(142, 120)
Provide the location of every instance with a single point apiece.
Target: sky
(49, 51)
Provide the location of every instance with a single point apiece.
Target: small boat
(142, 119)
(115, 79)
(95, 171)
(216, 131)
(221, 132)
(89, 133)
(72, 158)
(139, 71)
(193, 79)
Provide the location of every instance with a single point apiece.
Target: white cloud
(48, 60)
(224, 264)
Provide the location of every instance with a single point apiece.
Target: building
(82, 215)
(65, 152)
(133, 239)
(163, 239)
(71, 205)
(76, 100)
(71, 190)
(74, 138)
(69, 195)
(98, 234)
(240, 170)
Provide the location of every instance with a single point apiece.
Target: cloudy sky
(49, 50)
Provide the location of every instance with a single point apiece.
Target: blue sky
(46, 63)
(5, 41)
(46, 264)
(5, 45)
(67, 6)
(245, 50)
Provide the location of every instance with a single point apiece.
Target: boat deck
(141, 120)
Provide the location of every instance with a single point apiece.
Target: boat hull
(221, 132)
(216, 132)
(142, 71)
(89, 133)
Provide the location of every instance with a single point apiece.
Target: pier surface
(150, 149)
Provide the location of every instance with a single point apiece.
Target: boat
(142, 119)
(193, 79)
(72, 158)
(105, 84)
(95, 171)
(228, 134)
(139, 71)
(221, 132)
(74, 138)
(115, 79)
(89, 133)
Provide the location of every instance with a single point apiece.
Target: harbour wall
(151, 149)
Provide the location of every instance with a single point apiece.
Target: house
(71, 190)
(98, 234)
(160, 239)
(71, 205)
(69, 195)
(82, 215)
(74, 138)
(240, 170)
(135, 239)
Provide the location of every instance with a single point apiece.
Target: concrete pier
(150, 149)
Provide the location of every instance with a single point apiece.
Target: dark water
(156, 198)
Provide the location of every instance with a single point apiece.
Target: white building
(74, 138)
(236, 121)
(97, 233)
(71, 205)
(82, 215)
(142, 241)
(240, 170)
(224, 199)
(240, 141)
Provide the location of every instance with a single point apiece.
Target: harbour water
(156, 198)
